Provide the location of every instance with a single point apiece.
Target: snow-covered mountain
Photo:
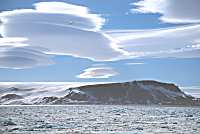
(135, 92)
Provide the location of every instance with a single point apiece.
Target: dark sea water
(101, 119)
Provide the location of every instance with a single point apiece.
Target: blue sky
(150, 41)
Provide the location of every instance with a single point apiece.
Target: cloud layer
(60, 29)
(177, 42)
(22, 57)
(97, 72)
(29, 36)
(172, 11)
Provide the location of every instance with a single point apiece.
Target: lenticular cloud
(172, 11)
(176, 42)
(22, 57)
(97, 72)
(60, 29)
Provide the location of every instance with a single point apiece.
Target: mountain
(135, 92)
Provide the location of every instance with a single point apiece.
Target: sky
(100, 41)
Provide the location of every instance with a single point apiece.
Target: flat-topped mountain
(136, 92)
(145, 92)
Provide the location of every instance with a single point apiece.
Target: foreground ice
(102, 119)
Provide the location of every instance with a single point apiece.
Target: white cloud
(99, 64)
(178, 42)
(135, 63)
(172, 11)
(195, 46)
(76, 14)
(22, 57)
(61, 29)
(15, 42)
(98, 72)
(59, 13)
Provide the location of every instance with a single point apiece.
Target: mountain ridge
(145, 92)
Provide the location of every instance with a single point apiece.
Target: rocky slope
(135, 92)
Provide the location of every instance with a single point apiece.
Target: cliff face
(135, 92)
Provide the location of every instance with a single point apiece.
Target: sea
(99, 119)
